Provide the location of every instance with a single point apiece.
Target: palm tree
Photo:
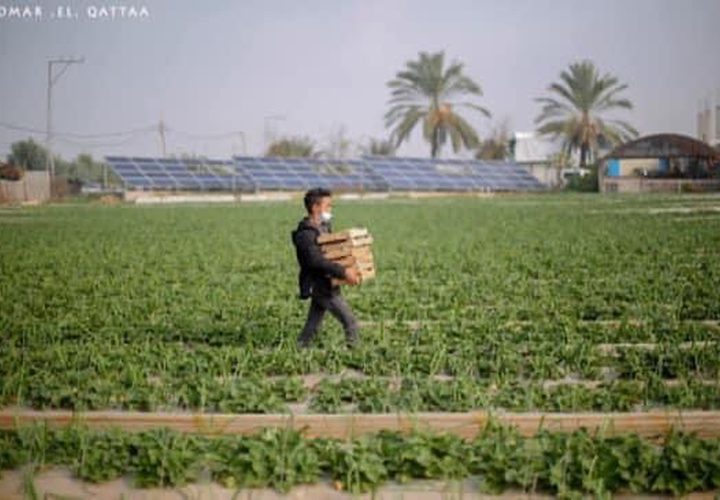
(572, 111)
(427, 91)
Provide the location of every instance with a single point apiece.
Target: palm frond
(425, 90)
(572, 108)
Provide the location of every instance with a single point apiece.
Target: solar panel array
(424, 174)
(369, 173)
(305, 173)
(179, 174)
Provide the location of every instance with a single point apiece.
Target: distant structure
(661, 162)
(540, 156)
(367, 174)
(708, 121)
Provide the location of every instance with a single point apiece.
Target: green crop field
(522, 303)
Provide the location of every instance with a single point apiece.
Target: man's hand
(352, 276)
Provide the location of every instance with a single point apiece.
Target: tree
(497, 146)
(378, 147)
(425, 91)
(84, 169)
(573, 111)
(291, 146)
(28, 154)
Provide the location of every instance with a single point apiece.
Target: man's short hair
(314, 196)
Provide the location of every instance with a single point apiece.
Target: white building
(708, 121)
(539, 155)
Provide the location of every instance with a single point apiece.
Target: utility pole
(241, 134)
(161, 130)
(51, 80)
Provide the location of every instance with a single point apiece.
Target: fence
(34, 186)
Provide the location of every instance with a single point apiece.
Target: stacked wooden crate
(350, 248)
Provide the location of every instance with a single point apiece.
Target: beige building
(661, 162)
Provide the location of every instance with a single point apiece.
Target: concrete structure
(540, 155)
(535, 154)
(662, 162)
(708, 121)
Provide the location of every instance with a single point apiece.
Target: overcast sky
(209, 68)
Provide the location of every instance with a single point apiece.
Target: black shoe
(352, 342)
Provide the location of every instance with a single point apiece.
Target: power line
(220, 135)
(23, 128)
(81, 140)
(149, 128)
(95, 145)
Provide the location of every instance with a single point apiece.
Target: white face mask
(325, 216)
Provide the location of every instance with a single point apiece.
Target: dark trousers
(339, 308)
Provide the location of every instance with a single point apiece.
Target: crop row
(392, 356)
(81, 391)
(270, 331)
(566, 465)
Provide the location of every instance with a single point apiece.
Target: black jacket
(315, 269)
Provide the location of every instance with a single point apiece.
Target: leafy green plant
(277, 458)
(165, 458)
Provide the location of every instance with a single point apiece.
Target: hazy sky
(209, 68)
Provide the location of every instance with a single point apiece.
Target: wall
(543, 172)
(644, 185)
(33, 187)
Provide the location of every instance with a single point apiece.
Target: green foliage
(291, 147)
(12, 454)
(192, 308)
(429, 93)
(176, 308)
(102, 456)
(573, 111)
(28, 154)
(587, 183)
(568, 465)
(165, 458)
(85, 169)
(358, 465)
(275, 458)
(498, 146)
(379, 147)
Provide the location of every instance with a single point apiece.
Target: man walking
(316, 271)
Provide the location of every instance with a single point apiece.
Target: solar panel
(369, 173)
(302, 173)
(451, 174)
(179, 173)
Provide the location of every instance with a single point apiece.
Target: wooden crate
(350, 248)
(352, 234)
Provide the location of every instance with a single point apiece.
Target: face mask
(325, 216)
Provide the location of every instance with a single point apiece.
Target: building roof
(665, 146)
